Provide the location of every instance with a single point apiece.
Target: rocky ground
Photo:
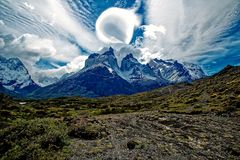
(153, 135)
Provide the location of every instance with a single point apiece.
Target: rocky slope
(154, 135)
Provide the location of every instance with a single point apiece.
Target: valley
(198, 120)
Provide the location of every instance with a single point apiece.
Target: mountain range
(101, 76)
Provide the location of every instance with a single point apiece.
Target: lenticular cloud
(116, 25)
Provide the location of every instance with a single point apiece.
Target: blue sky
(54, 37)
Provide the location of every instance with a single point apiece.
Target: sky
(55, 37)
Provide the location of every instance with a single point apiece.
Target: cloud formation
(48, 19)
(62, 33)
(151, 31)
(31, 48)
(194, 29)
(35, 30)
(112, 26)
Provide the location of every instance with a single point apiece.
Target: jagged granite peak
(129, 62)
(94, 55)
(134, 70)
(140, 75)
(162, 71)
(15, 77)
(110, 52)
(108, 59)
(171, 70)
(194, 70)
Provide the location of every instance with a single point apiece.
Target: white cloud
(2, 23)
(29, 6)
(49, 19)
(76, 64)
(60, 17)
(122, 50)
(33, 43)
(31, 48)
(151, 31)
(49, 76)
(46, 77)
(116, 25)
(192, 27)
(147, 54)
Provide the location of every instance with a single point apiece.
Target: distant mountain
(141, 76)
(93, 82)
(175, 72)
(14, 77)
(99, 77)
(102, 76)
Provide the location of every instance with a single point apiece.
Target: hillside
(198, 120)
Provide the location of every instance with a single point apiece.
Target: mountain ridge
(103, 76)
(133, 76)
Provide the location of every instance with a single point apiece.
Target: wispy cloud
(193, 28)
(2, 23)
(47, 19)
(34, 30)
(29, 6)
(31, 48)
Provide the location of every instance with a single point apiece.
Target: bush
(34, 139)
(88, 132)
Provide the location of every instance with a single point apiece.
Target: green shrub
(88, 132)
(34, 139)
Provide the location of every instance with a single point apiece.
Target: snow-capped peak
(176, 72)
(13, 75)
(108, 59)
(162, 71)
(129, 62)
(132, 70)
(194, 70)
